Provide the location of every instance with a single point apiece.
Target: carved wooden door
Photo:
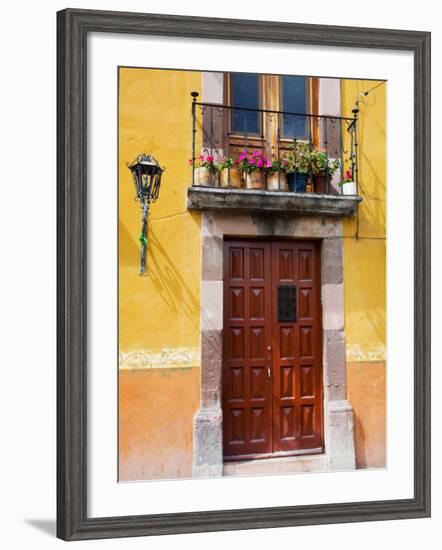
(272, 349)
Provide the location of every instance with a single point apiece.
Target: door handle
(269, 372)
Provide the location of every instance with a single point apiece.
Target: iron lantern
(146, 173)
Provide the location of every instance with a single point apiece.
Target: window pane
(245, 93)
(294, 100)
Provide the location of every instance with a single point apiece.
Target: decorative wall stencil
(356, 353)
(160, 359)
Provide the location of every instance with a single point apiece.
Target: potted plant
(322, 168)
(276, 175)
(347, 185)
(205, 172)
(229, 175)
(254, 166)
(298, 166)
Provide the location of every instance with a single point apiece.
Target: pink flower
(209, 158)
(243, 155)
(201, 157)
(268, 164)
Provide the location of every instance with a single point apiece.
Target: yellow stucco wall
(365, 277)
(160, 311)
(365, 244)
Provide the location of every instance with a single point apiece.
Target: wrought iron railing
(223, 134)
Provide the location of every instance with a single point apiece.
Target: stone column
(330, 104)
(338, 413)
(212, 85)
(208, 436)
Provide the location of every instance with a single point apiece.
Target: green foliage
(298, 158)
(305, 159)
(321, 163)
(226, 163)
(278, 165)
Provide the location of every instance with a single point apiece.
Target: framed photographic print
(243, 274)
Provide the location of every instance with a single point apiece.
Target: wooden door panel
(237, 383)
(285, 264)
(297, 349)
(237, 303)
(305, 304)
(258, 382)
(247, 387)
(305, 257)
(256, 260)
(272, 369)
(287, 382)
(236, 263)
(257, 303)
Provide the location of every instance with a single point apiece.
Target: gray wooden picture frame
(73, 27)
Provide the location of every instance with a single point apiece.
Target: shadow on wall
(162, 271)
(372, 169)
(373, 217)
(128, 248)
(169, 282)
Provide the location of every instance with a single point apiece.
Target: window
(293, 99)
(289, 94)
(245, 93)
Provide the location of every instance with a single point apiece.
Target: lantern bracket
(146, 173)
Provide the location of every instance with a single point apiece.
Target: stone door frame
(338, 414)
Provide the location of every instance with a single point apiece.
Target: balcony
(243, 200)
(257, 160)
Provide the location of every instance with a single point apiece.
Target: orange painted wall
(366, 389)
(156, 409)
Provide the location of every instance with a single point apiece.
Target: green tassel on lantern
(143, 239)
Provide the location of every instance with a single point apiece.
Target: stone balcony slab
(283, 202)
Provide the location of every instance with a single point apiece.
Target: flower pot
(277, 182)
(349, 188)
(236, 179)
(205, 177)
(297, 182)
(321, 183)
(255, 180)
